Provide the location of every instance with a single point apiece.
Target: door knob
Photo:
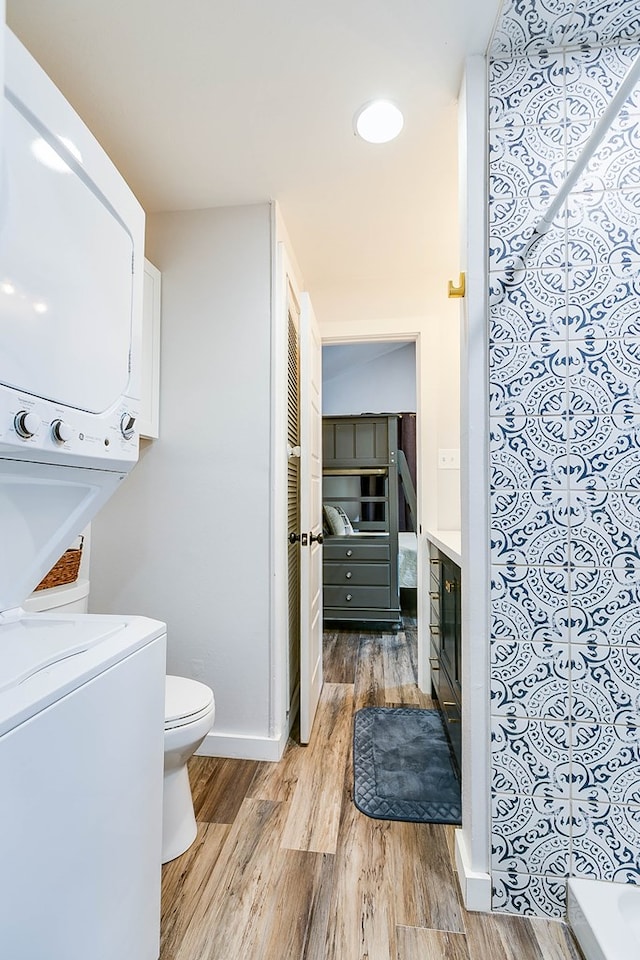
(294, 537)
(318, 539)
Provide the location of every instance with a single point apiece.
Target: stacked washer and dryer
(81, 696)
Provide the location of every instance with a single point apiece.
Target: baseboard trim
(475, 887)
(237, 747)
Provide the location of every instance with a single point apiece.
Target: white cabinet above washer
(149, 421)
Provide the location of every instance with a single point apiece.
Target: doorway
(378, 378)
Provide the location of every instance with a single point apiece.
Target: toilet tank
(69, 598)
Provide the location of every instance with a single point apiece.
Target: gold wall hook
(457, 291)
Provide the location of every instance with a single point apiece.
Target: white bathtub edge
(595, 920)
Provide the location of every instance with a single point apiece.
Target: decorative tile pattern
(539, 25)
(604, 686)
(622, 624)
(531, 375)
(527, 92)
(598, 22)
(605, 760)
(564, 394)
(530, 679)
(606, 842)
(525, 533)
(606, 524)
(530, 757)
(531, 603)
(530, 835)
(526, 161)
(529, 896)
(604, 225)
(536, 308)
(511, 227)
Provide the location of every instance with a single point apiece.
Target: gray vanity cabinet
(360, 567)
(445, 628)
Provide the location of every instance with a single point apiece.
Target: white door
(310, 517)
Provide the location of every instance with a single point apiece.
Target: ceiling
(338, 359)
(204, 103)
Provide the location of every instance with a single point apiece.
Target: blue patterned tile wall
(531, 26)
(564, 385)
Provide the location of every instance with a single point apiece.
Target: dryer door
(65, 273)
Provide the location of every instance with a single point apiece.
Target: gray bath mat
(402, 766)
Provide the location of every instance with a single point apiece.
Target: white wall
(187, 537)
(382, 384)
(445, 393)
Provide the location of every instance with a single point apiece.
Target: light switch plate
(448, 459)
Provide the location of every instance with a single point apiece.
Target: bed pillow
(348, 529)
(338, 522)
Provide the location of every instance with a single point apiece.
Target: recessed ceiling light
(378, 121)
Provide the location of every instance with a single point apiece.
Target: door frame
(473, 839)
(426, 462)
(284, 277)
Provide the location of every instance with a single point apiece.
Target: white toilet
(189, 715)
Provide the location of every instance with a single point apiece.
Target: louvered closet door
(293, 498)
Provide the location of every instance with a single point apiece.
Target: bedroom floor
(286, 868)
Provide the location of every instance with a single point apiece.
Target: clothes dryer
(81, 696)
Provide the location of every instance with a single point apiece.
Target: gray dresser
(360, 565)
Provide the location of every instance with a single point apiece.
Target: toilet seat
(186, 701)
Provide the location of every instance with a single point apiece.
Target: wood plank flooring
(286, 868)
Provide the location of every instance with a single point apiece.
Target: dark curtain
(407, 443)
(368, 489)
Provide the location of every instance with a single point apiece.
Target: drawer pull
(435, 561)
(450, 586)
(349, 574)
(349, 553)
(348, 597)
(450, 703)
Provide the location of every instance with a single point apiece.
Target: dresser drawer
(357, 574)
(378, 597)
(345, 550)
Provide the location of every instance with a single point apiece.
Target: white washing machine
(81, 754)
(81, 696)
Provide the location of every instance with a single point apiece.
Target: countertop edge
(449, 541)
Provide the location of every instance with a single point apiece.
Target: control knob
(127, 425)
(27, 423)
(61, 431)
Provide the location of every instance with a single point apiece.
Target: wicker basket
(65, 570)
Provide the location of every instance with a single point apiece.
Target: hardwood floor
(286, 868)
